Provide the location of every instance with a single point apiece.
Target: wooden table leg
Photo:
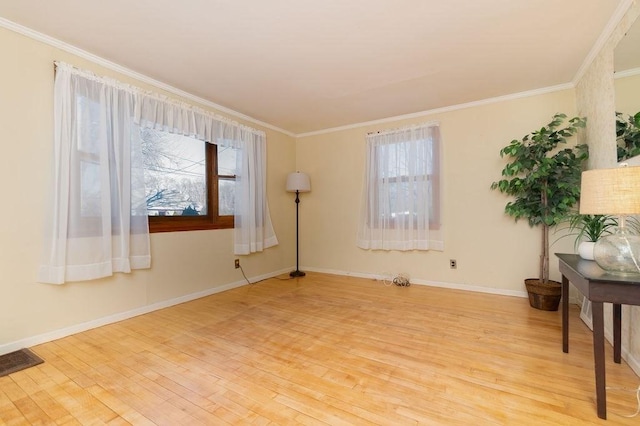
(565, 314)
(598, 356)
(617, 332)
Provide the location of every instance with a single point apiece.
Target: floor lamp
(298, 182)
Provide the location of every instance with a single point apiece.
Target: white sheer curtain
(401, 206)
(98, 220)
(253, 229)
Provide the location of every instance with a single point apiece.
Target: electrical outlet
(237, 263)
(453, 264)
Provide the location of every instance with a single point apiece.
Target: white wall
(184, 264)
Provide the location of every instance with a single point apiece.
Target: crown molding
(457, 107)
(626, 73)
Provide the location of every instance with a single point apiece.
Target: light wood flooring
(323, 349)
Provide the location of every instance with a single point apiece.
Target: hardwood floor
(323, 349)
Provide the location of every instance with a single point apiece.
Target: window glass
(226, 180)
(175, 174)
(402, 179)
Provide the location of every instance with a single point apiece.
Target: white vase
(585, 249)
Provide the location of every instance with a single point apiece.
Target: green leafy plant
(587, 227)
(627, 135)
(543, 179)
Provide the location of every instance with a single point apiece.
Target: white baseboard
(64, 332)
(633, 362)
(454, 286)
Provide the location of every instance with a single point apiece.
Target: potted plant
(545, 182)
(588, 229)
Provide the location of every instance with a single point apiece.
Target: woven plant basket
(543, 295)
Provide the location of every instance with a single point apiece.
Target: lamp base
(297, 273)
(618, 253)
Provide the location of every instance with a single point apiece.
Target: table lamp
(614, 192)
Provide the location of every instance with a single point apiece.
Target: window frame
(212, 220)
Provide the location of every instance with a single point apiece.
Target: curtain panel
(97, 217)
(400, 204)
(97, 222)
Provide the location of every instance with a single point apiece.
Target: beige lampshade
(610, 191)
(298, 181)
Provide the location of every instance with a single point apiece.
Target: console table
(599, 287)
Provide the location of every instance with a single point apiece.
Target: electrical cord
(387, 279)
(256, 282)
(245, 277)
(400, 280)
(637, 392)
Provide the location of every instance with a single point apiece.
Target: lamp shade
(610, 191)
(298, 181)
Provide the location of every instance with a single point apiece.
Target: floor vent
(18, 360)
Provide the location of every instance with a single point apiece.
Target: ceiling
(308, 65)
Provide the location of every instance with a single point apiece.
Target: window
(401, 208)
(98, 221)
(189, 183)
